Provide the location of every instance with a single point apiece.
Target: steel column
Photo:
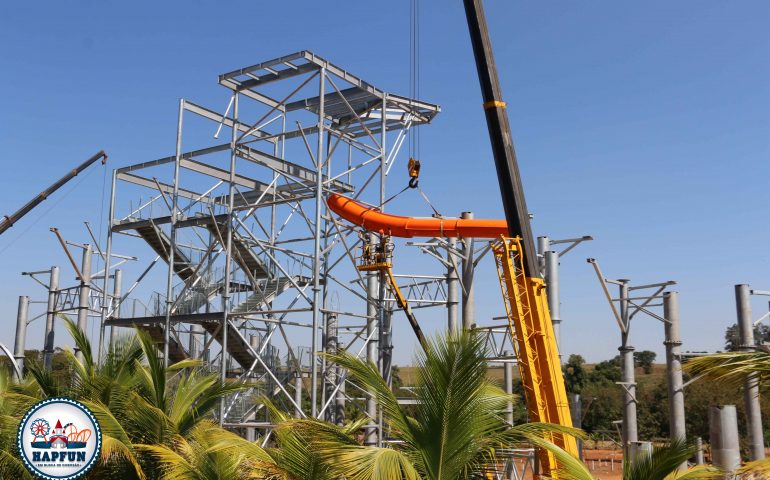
(107, 260)
(469, 302)
(117, 289)
(508, 382)
(85, 293)
(172, 237)
(372, 296)
(228, 254)
(751, 388)
(317, 247)
(20, 342)
(50, 318)
(330, 378)
(452, 284)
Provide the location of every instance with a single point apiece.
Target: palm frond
(730, 369)
(373, 463)
(757, 468)
(664, 460)
(81, 343)
(699, 472)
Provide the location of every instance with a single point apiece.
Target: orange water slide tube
(408, 227)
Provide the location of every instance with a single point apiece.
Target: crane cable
(48, 210)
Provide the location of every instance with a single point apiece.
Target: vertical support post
(317, 247)
(50, 318)
(452, 284)
(508, 381)
(673, 345)
(340, 400)
(551, 260)
(628, 376)
(195, 334)
(21, 331)
(372, 296)
(469, 300)
(699, 460)
(298, 392)
(228, 256)
(172, 236)
(543, 245)
(638, 450)
(117, 293)
(576, 412)
(723, 432)
(251, 432)
(107, 259)
(751, 388)
(330, 380)
(386, 346)
(85, 293)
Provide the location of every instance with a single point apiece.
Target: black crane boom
(8, 220)
(511, 188)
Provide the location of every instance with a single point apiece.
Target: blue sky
(643, 124)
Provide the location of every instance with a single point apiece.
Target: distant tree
(574, 374)
(645, 359)
(732, 338)
(607, 371)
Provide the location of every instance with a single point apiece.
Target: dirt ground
(605, 464)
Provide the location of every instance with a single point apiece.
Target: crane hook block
(414, 172)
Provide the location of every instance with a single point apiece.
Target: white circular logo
(59, 439)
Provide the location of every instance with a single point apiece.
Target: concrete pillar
(372, 312)
(298, 392)
(638, 450)
(576, 413)
(628, 375)
(751, 388)
(543, 245)
(84, 295)
(551, 259)
(508, 381)
(339, 401)
(117, 293)
(21, 331)
(628, 382)
(673, 345)
(723, 433)
(196, 340)
(50, 318)
(699, 451)
(452, 286)
(469, 301)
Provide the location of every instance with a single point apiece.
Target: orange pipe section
(408, 227)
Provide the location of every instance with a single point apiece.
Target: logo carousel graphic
(63, 452)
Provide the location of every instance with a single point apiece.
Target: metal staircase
(161, 244)
(271, 289)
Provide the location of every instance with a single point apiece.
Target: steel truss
(253, 256)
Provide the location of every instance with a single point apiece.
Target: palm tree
(137, 401)
(456, 429)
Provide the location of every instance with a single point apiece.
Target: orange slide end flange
(408, 227)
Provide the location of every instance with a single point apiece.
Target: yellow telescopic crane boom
(520, 279)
